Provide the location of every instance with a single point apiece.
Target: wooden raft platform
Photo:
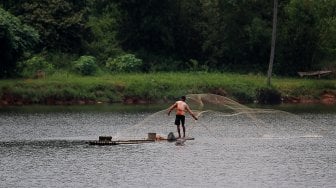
(118, 142)
(185, 138)
(107, 140)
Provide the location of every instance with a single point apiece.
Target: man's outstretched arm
(191, 113)
(171, 108)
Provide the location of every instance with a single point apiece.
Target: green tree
(306, 36)
(327, 34)
(167, 35)
(237, 34)
(60, 23)
(103, 23)
(147, 26)
(187, 32)
(15, 39)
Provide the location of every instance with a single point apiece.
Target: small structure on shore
(315, 73)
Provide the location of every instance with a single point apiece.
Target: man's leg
(177, 123)
(183, 130)
(183, 127)
(178, 131)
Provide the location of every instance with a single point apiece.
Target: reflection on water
(44, 149)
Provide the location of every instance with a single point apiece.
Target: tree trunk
(270, 66)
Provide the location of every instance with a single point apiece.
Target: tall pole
(270, 65)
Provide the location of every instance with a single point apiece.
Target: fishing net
(221, 117)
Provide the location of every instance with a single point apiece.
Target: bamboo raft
(107, 140)
(118, 142)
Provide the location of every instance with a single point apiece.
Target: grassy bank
(154, 87)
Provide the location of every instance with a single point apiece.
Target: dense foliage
(183, 35)
(60, 23)
(15, 39)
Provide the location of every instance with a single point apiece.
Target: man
(181, 107)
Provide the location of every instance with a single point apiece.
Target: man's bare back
(181, 108)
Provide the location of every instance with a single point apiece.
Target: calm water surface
(46, 148)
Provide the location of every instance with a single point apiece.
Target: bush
(86, 65)
(124, 63)
(34, 65)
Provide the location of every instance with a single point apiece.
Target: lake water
(46, 147)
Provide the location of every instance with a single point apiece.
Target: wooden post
(270, 65)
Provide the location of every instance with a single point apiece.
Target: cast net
(221, 117)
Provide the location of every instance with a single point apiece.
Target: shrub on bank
(124, 63)
(86, 65)
(35, 65)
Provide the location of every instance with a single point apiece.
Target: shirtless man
(181, 107)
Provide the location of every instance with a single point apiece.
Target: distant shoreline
(159, 88)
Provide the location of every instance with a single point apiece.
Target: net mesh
(221, 117)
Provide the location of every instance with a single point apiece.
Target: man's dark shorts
(180, 119)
